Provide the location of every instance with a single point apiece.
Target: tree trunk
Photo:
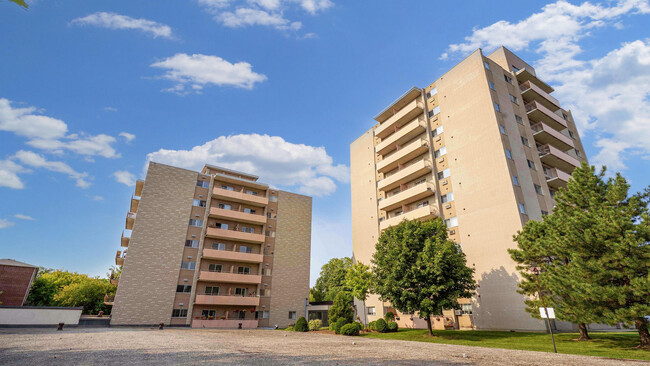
(642, 326)
(584, 334)
(428, 319)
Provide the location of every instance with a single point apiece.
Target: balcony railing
(235, 235)
(407, 196)
(547, 135)
(538, 113)
(124, 241)
(230, 277)
(400, 118)
(406, 174)
(119, 258)
(405, 133)
(139, 185)
(234, 256)
(424, 212)
(241, 216)
(530, 91)
(109, 299)
(225, 323)
(135, 203)
(130, 220)
(403, 155)
(227, 300)
(556, 178)
(527, 75)
(554, 157)
(242, 197)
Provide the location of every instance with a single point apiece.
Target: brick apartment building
(15, 280)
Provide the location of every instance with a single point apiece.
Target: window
(571, 134)
(219, 225)
(552, 192)
(192, 243)
(273, 198)
(538, 189)
(423, 180)
(247, 229)
(451, 222)
(544, 213)
(437, 131)
(513, 99)
(208, 314)
(507, 78)
(179, 313)
(502, 129)
(443, 174)
(249, 211)
(224, 206)
(188, 265)
(228, 188)
(578, 154)
(508, 154)
(515, 68)
(522, 208)
(497, 107)
(371, 310)
(245, 249)
(486, 64)
(531, 164)
(432, 92)
(447, 197)
(422, 204)
(466, 309)
(184, 288)
(292, 315)
(253, 193)
(436, 110)
(519, 119)
(197, 223)
(240, 291)
(244, 270)
(215, 267)
(515, 180)
(198, 203)
(218, 246)
(212, 290)
(524, 141)
(440, 152)
(492, 85)
(202, 183)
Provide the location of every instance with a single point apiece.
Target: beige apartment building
(485, 147)
(212, 249)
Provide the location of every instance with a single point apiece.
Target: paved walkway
(124, 346)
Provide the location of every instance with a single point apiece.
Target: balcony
(134, 205)
(227, 300)
(225, 323)
(422, 213)
(414, 128)
(125, 240)
(130, 220)
(400, 118)
(109, 299)
(233, 256)
(538, 113)
(119, 258)
(234, 235)
(407, 196)
(524, 75)
(547, 135)
(237, 216)
(229, 277)
(240, 197)
(556, 158)
(139, 185)
(406, 174)
(556, 178)
(403, 155)
(531, 92)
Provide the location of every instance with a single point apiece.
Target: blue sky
(91, 91)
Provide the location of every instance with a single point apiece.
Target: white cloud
(5, 223)
(314, 6)
(24, 217)
(9, 174)
(216, 4)
(35, 160)
(127, 136)
(97, 198)
(244, 17)
(307, 169)
(118, 21)
(124, 177)
(198, 71)
(609, 96)
(110, 109)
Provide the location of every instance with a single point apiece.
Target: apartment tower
(212, 249)
(485, 147)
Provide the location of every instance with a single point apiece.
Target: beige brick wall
(291, 258)
(147, 287)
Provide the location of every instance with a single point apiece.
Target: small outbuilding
(15, 281)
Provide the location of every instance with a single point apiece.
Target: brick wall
(14, 284)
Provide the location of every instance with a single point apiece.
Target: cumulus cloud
(117, 21)
(9, 171)
(127, 136)
(35, 160)
(609, 96)
(4, 223)
(198, 71)
(124, 177)
(244, 17)
(24, 217)
(306, 169)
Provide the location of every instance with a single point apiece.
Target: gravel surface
(122, 346)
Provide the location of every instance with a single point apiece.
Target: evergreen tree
(341, 308)
(418, 269)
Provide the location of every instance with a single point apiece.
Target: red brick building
(15, 280)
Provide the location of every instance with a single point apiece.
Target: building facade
(212, 249)
(485, 147)
(15, 281)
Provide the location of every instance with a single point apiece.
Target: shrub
(341, 308)
(359, 325)
(392, 326)
(339, 324)
(351, 329)
(301, 325)
(315, 324)
(290, 329)
(390, 317)
(372, 324)
(381, 326)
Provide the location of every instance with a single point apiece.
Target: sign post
(544, 311)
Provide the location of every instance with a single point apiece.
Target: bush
(339, 324)
(381, 326)
(315, 324)
(351, 329)
(290, 329)
(372, 324)
(390, 317)
(301, 325)
(341, 308)
(359, 325)
(392, 326)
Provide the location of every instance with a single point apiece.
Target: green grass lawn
(613, 345)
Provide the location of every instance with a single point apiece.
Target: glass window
(571, 134)
(492, 85)
(507, 78)
(544, 213)
(212, 290)
(440, 152)
(538, 189)
(253, 193)
(443, 174)
(497, 107)
(219, 225)
(192, 243)
(502, 129)
(240, 291)
(486, 64)
(524, 141)
(515, 180)
(437, 131)
(422, 204)
(513, 99)
(519, 119)
(447, 197)
(436, 110)
(227, 188)
(179, 313)
(292, 315)
(466, 309)
(184, 288)
(515, 68)
(218, 246)
(451, 222)
(247, 229)
(224, 206)
(531, 164)
(371, 310)
(197, 223)
(188, 265)
(215, 267)
(202, 183)
(522, 208)
(244, 270)
(508, 154)
(198, 203)
(273, 199)
(208, 314)
(245, 249)
(249, 211)
(432, 92)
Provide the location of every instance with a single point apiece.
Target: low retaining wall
(35, 316)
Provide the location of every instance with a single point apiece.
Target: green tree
(418, 269)
(341, 308)
(359, 280)
(331, 279)
(20, 2)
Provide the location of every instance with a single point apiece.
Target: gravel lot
(121, 346)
